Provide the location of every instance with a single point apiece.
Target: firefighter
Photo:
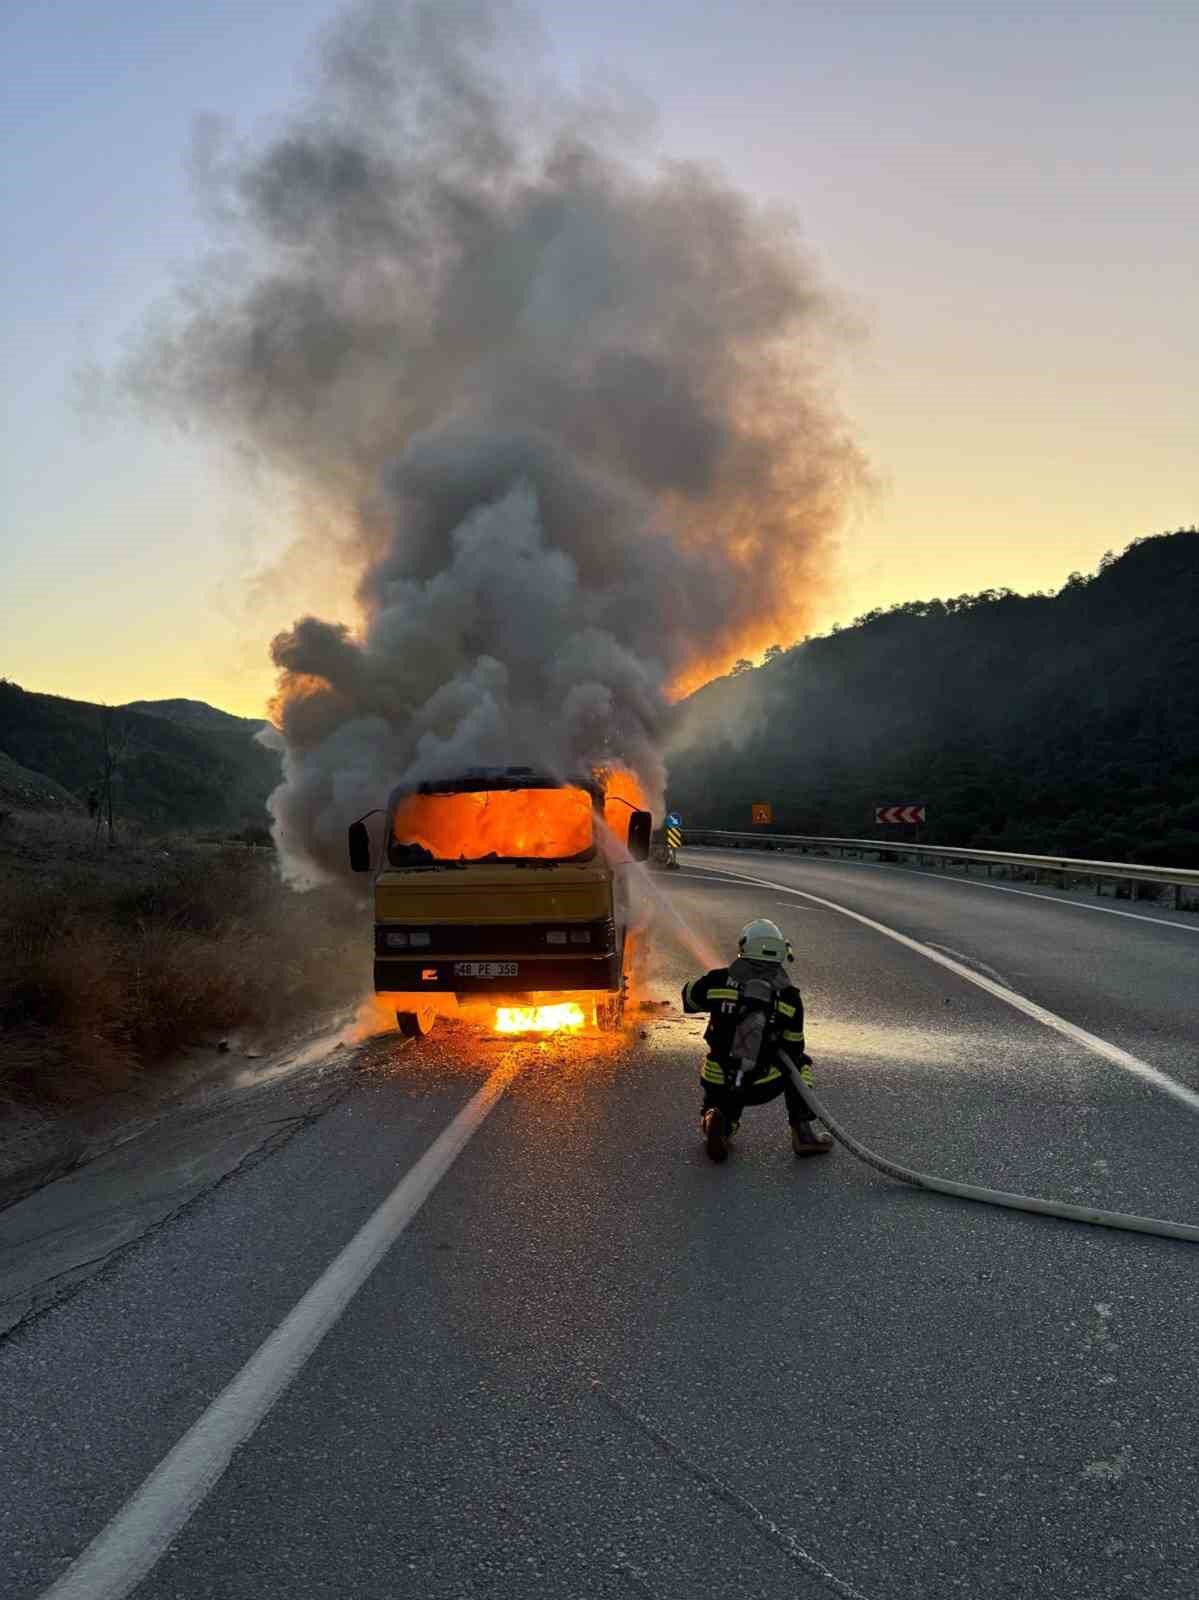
(755, 1020)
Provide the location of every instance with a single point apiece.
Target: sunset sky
(1003, 197)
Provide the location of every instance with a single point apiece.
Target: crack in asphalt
(636, 1579)
(779, 1537)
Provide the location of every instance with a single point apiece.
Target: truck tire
(609, 1008)
(609, 1012)
(416, 1024)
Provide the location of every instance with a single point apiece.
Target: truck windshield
(493, 825)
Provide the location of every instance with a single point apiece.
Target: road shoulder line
(999, 888)
(1049, 1019)
(137, 1537)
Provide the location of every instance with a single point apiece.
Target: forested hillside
(197, 714)
(1064, 723)
(179, 764)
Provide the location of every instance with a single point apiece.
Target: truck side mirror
(360, 847)
(641, 826)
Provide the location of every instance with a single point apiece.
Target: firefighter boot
(809, 1139)
(716, 1133)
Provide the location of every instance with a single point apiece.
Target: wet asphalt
(596, 1365)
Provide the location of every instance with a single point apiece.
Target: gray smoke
(566, 411)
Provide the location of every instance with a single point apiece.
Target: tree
(1063, 724)
(114, 734)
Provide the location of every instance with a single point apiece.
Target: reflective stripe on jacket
(719, 994)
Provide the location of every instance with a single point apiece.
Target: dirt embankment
(113, 959)
(24, 790)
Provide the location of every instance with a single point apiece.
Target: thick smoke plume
(565, 411)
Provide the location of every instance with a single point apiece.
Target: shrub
(111, 962)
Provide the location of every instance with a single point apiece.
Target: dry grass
(112, 960)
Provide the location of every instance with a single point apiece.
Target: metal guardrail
(1056, 869)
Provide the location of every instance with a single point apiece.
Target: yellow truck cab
(503, 883)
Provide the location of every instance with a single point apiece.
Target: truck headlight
(419, 936)
(395, 938)
(556, 936)
(580, 936)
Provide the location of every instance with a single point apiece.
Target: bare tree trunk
(114, 751)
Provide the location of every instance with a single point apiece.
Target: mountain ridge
(188, 767)
(198, 714)
(1062, 723)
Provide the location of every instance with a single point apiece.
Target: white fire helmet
(762, 940)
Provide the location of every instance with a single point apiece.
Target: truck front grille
(491, 939)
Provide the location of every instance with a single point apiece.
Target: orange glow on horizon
(719, 665)
(695, 677)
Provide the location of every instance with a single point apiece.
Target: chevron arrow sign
(899, 814)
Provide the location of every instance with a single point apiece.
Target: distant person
(756, 1023)
(93, 804)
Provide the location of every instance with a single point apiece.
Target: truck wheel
(416, 1024)
(609, 1012)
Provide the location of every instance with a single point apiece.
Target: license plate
(486, 969)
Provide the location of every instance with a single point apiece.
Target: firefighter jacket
(720, 994)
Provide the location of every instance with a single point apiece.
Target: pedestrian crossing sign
(762, 813)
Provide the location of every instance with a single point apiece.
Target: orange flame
(622, 795)
(565, 1017)
(540, 824)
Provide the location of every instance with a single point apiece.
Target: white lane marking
(999, 888)
(710, 876)
(123, 1552)
(969, 961)
(1050, 1019)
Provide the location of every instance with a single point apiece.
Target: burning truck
(510, 886)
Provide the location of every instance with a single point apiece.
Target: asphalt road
(596, 1365)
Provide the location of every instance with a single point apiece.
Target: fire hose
(991, 1197)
